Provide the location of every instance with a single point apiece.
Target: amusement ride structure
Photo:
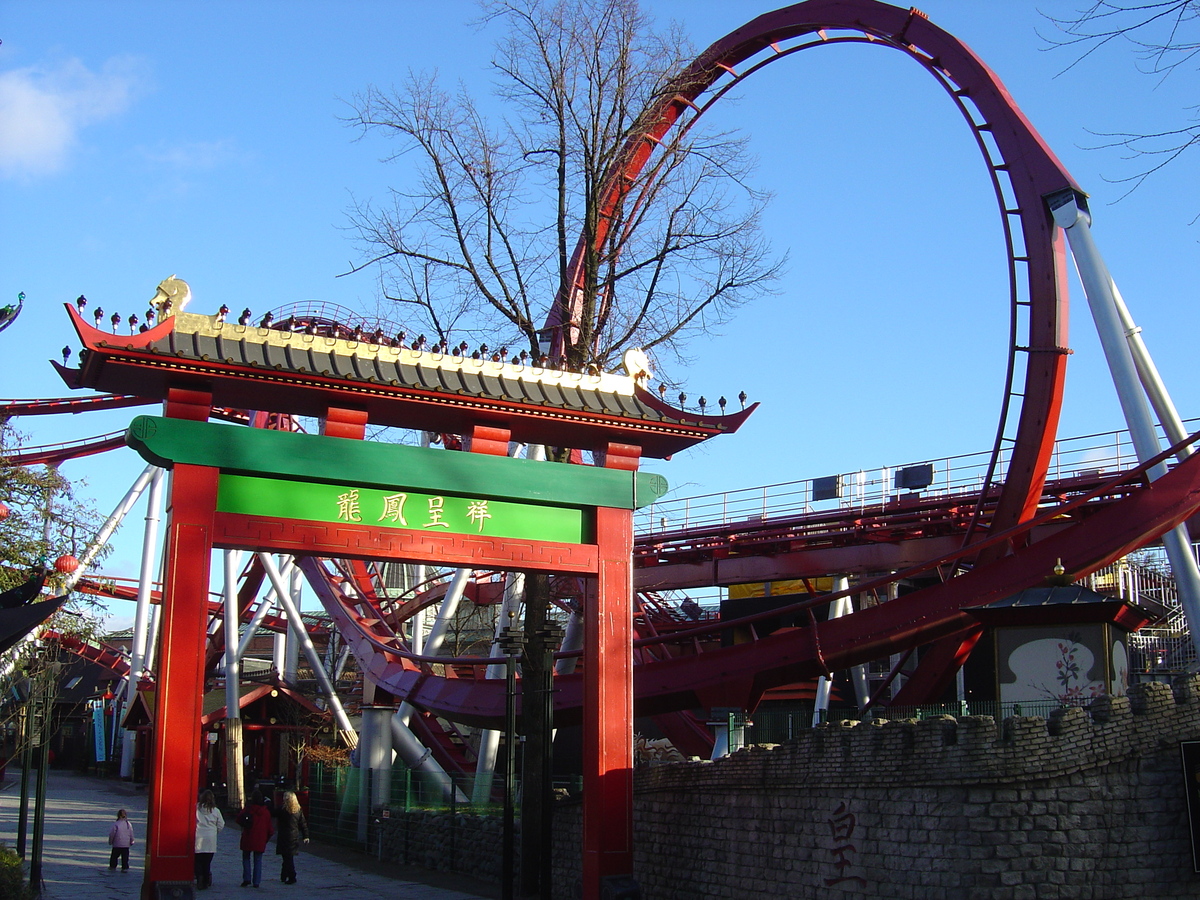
(333, 507)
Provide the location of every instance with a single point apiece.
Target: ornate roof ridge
(208, 326)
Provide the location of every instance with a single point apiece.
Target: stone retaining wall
(1083, 805)
(1088, 804)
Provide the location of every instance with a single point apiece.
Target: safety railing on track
(1091, 455)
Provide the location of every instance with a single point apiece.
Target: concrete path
(80, 809)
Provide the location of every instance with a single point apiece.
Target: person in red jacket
(257, 829)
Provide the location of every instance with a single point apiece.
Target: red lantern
(66, 564)
(3, 512)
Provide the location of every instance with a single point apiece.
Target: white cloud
(42, 111)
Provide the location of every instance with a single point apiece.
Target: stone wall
(1088, 804)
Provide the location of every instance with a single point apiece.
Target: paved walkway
(80, 809)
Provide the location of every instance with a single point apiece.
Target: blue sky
(139, 140)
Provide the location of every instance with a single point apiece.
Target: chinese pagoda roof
(252, 367)
(1071, 604)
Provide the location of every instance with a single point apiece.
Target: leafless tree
(1165, 36)
(537, 215)
(505, 216)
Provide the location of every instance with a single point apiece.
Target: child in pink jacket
(120, 838)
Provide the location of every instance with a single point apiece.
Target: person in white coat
(209, 823)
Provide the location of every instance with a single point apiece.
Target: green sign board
(435, 513)
(370, 464)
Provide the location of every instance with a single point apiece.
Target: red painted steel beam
(1033, 169)
(57, 453)
(73, 405)
(742, 672)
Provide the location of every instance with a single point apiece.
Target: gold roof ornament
(171, 297)
(637, 366)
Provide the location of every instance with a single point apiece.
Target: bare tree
(1165, 36)
(562, 211)
(506, 217)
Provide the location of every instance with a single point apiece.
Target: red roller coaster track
(999, 551)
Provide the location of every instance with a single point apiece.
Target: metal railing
(1087, 455)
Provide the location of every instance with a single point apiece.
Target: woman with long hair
(209, 823)
(293, 830)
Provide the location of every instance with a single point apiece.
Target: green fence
(340, 807)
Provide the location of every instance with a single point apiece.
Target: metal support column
(375, 755)
(298, 632)
(489, 741)
(1071, 214)
(234, 773)
(141, 619)
(840, 607)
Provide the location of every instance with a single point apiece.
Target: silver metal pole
(840, 607)
(489, 741)
(1071, 214)
(137, 658)
(283, 596)
(265, 605)
(572, 641)
(233, 565)
(1156, 390)
(234, 773)
(110, 525)
(291, 656)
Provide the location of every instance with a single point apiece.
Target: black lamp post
(548, 640)
(511, 641)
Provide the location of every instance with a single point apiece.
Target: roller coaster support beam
(265, 605)
(415, 755)
(1071, 214)
(283, 595)
(106, 531)
(233, 680)
(1160, 399)
(291, 658)
(141, 616)
(375, 758)
(841, 607)
(437, 634)
(489, 741)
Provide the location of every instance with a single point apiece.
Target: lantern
(66, 564)
(3, 512)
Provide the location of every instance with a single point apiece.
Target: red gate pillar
(608, 707)
(175, 753)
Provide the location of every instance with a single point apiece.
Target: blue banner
(100, 739)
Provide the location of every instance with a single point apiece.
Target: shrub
(13, 885)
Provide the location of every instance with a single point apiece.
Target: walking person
(120, 838)
(292, 830)
(257, 829)
(209, 823)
